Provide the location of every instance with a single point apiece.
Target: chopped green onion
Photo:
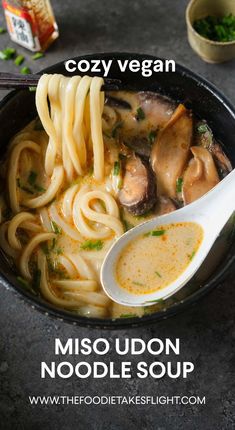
(25, 70)
(148, 213)
(152, 135)
(2, 30)
(127, 225)
(120, 183)
(37, 56)
(192, 255)
(116, 127)
(32, 177)
(140, 115)
(155, 233)
(107, 134)
(158, 274)
(22, 187)
(44, 248)
(53, 243)
(202, 128)
(32, 89)
(58, 251)
(91, 171)
(90, 245)
(19, 60)
(179, 185)
(25, 284)
(155, 301)
(39, 188)
(218, 28)
(128, 316)
(116, 168)
(56, 229)
(138, 283)
(7, 53)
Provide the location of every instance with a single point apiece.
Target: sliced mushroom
(171, 151)
(200, 176)
(139, 134)
(165, 206)
(204, 137)
(138, 191)
(158, 109)
(222, 162)
(117, 103)
(140, 144)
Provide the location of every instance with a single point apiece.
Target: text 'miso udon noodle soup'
(88, 169)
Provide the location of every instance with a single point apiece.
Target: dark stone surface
(206, 331)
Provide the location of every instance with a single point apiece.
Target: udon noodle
(48, 234)
(60, 212)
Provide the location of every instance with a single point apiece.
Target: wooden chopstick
(17, 81)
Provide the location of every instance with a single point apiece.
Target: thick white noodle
(61, 157)
(28, 251)
(13, 169)
(45, 198)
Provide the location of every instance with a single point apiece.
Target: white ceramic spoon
(211, 211)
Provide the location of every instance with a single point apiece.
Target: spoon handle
(219, 203)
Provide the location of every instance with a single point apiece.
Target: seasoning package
(31, 23)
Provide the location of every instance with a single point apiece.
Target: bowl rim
(122, 323)
(196, 34)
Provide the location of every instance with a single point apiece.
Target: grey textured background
(207, 331)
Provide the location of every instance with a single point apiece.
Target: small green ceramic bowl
(209, 50)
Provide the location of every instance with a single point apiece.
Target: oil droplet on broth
(154, 260)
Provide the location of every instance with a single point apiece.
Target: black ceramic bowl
(18, 108)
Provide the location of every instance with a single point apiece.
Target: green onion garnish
(116, 127)
(56, 228)
(192, 255)
(25, 284)
(218, 28)
(179, 185)
(116, 168)
(89, 245)
(44, 248)
(19, 60)
(152, 135)
(32, 181)
(23, 187)
(7, 53)
(127, 225)
(140, 115)
(155, 301)
(39, 188)
(37, 56)
(202, 128)
(158, 274)
(138, 283)
(25, 70)
(32, 177)
(155, 233)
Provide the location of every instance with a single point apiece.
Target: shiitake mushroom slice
(138, 192)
